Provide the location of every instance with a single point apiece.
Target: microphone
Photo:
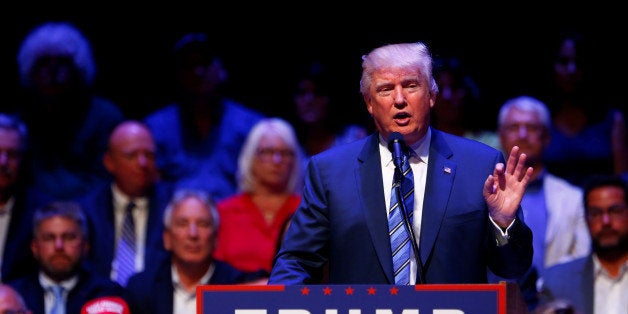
(396, 145)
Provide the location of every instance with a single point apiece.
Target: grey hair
(525, 103)
(56, 39)
(66, 209)
(276, 126)
(181, 195)
(405, 55)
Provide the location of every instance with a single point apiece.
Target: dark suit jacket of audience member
(89, 286)
(572, 281)
(18, 260)
(99, 210)
(151, 291)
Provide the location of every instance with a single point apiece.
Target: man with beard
(597, 283)
(59, 244)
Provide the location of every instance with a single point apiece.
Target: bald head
(10, 300)
(130, 130)
(130, 157)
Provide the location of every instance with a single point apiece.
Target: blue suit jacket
(572, 281)
(18, 260)
(152, 291)
(89, 286)
(98, 207)
(342, 219)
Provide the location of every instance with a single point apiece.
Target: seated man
(190, 232)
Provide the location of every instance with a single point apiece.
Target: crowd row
(214, 183)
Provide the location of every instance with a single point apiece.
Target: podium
(501, 298)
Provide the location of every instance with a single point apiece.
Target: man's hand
(503, 190)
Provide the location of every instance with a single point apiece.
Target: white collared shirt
(47, 284)
(5, 219)
(140, 216)
(419, 171)
(610, 294)
(184, 301)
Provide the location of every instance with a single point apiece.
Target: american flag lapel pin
(447, 170)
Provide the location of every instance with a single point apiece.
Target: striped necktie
(399, 236)
(125, 253)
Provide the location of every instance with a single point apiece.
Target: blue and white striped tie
(399, 236)
(125, 253)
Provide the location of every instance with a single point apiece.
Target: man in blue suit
(130, 159)
(467, 213)
(60, 243)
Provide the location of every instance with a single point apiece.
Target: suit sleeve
(301, 258)
(511, 258)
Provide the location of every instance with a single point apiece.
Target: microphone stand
(415, 247)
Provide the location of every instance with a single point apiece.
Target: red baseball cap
(106, 305)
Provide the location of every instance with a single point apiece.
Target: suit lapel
(104, 204)
(439, 182)
(154, 229)
(369, 180)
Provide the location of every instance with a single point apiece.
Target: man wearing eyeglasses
(552, 207)
(597, 283)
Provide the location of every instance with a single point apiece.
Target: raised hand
(504, 188)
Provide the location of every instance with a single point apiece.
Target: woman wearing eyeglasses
(269, 182)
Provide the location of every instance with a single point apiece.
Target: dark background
(505, 50)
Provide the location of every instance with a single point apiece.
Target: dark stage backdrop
(506, 52)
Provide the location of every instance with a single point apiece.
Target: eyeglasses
(613, 212)
(531, 128)
(268, 154)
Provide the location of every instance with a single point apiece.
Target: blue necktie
(399, 236)
(58, 307)
(125, 254)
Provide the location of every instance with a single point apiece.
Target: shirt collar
(47, 283)
(120, 199)
(176, 281)
(421, 148)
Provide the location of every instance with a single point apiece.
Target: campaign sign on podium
(352, 299)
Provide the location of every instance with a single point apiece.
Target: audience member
(552, 207)
(200, 134)
(60, 244)
(191, 227)
(134, 195)
(11, 302)
(269, 183)
(67, 121)
(465, 217)
(597, 283)
(16, 201)
(318, 119)
(458, 108)
(582, 119)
